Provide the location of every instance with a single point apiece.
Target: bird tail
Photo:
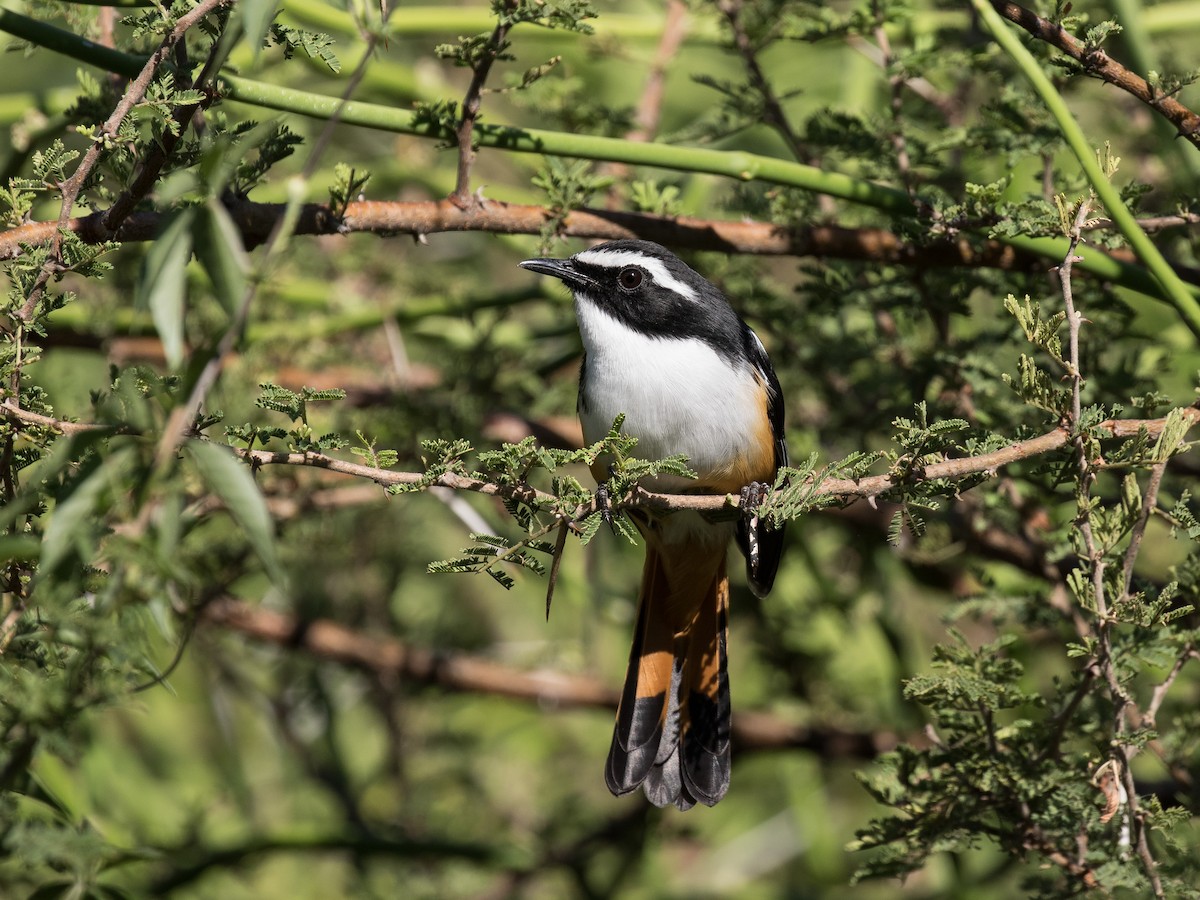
(672, 730)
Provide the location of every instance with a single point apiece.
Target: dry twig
(1100, 65)
(1123, 704)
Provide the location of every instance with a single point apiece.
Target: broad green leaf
(232, 483)
(220, 251)
(257, 16)
(73, 520)
(162, 285)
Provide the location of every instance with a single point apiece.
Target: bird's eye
(629, 278)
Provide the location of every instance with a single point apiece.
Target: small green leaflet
(220, 251)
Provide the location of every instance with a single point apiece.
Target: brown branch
(649, 107)
(14, 584)
(328, 640)
(841, 488)
(837, 488)
(772, 109)
(1036, 840)
(1151, 223)
(1124, 707)
(1100, 65)
(387, 478)
(256, 220)
(11, 411)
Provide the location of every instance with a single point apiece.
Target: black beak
(562, 269)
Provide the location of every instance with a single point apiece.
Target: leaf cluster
(293, 405)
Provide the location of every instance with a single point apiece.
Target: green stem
(1176, 292)
(408, 21)
(69, 44)
(732, 164)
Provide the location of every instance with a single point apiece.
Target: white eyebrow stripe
(615, 259)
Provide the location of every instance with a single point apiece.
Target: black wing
(760, 571)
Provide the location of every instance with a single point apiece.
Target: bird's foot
(604, 504)
(604, 499)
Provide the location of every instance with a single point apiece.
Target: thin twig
(464, 133)
(895, 87)
(1063, 718)
(772, 108)
(1151, 223)
(1100, 65)
(159, 152)
(1122, 702)
(839, 488)
(15, 413)
(1150, 717)
(773, 114)
(1087, 469)
(949, 108)
(185, 641)
(835, 488)
(556, 561)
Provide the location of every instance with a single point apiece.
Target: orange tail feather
(672, 731)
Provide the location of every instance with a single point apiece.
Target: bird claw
(752, 497)
(604, 505)
(604, 500)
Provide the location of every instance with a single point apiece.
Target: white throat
(677, 393)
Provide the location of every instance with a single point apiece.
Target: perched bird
(663, 346)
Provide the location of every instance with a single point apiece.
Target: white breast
(678, 394)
